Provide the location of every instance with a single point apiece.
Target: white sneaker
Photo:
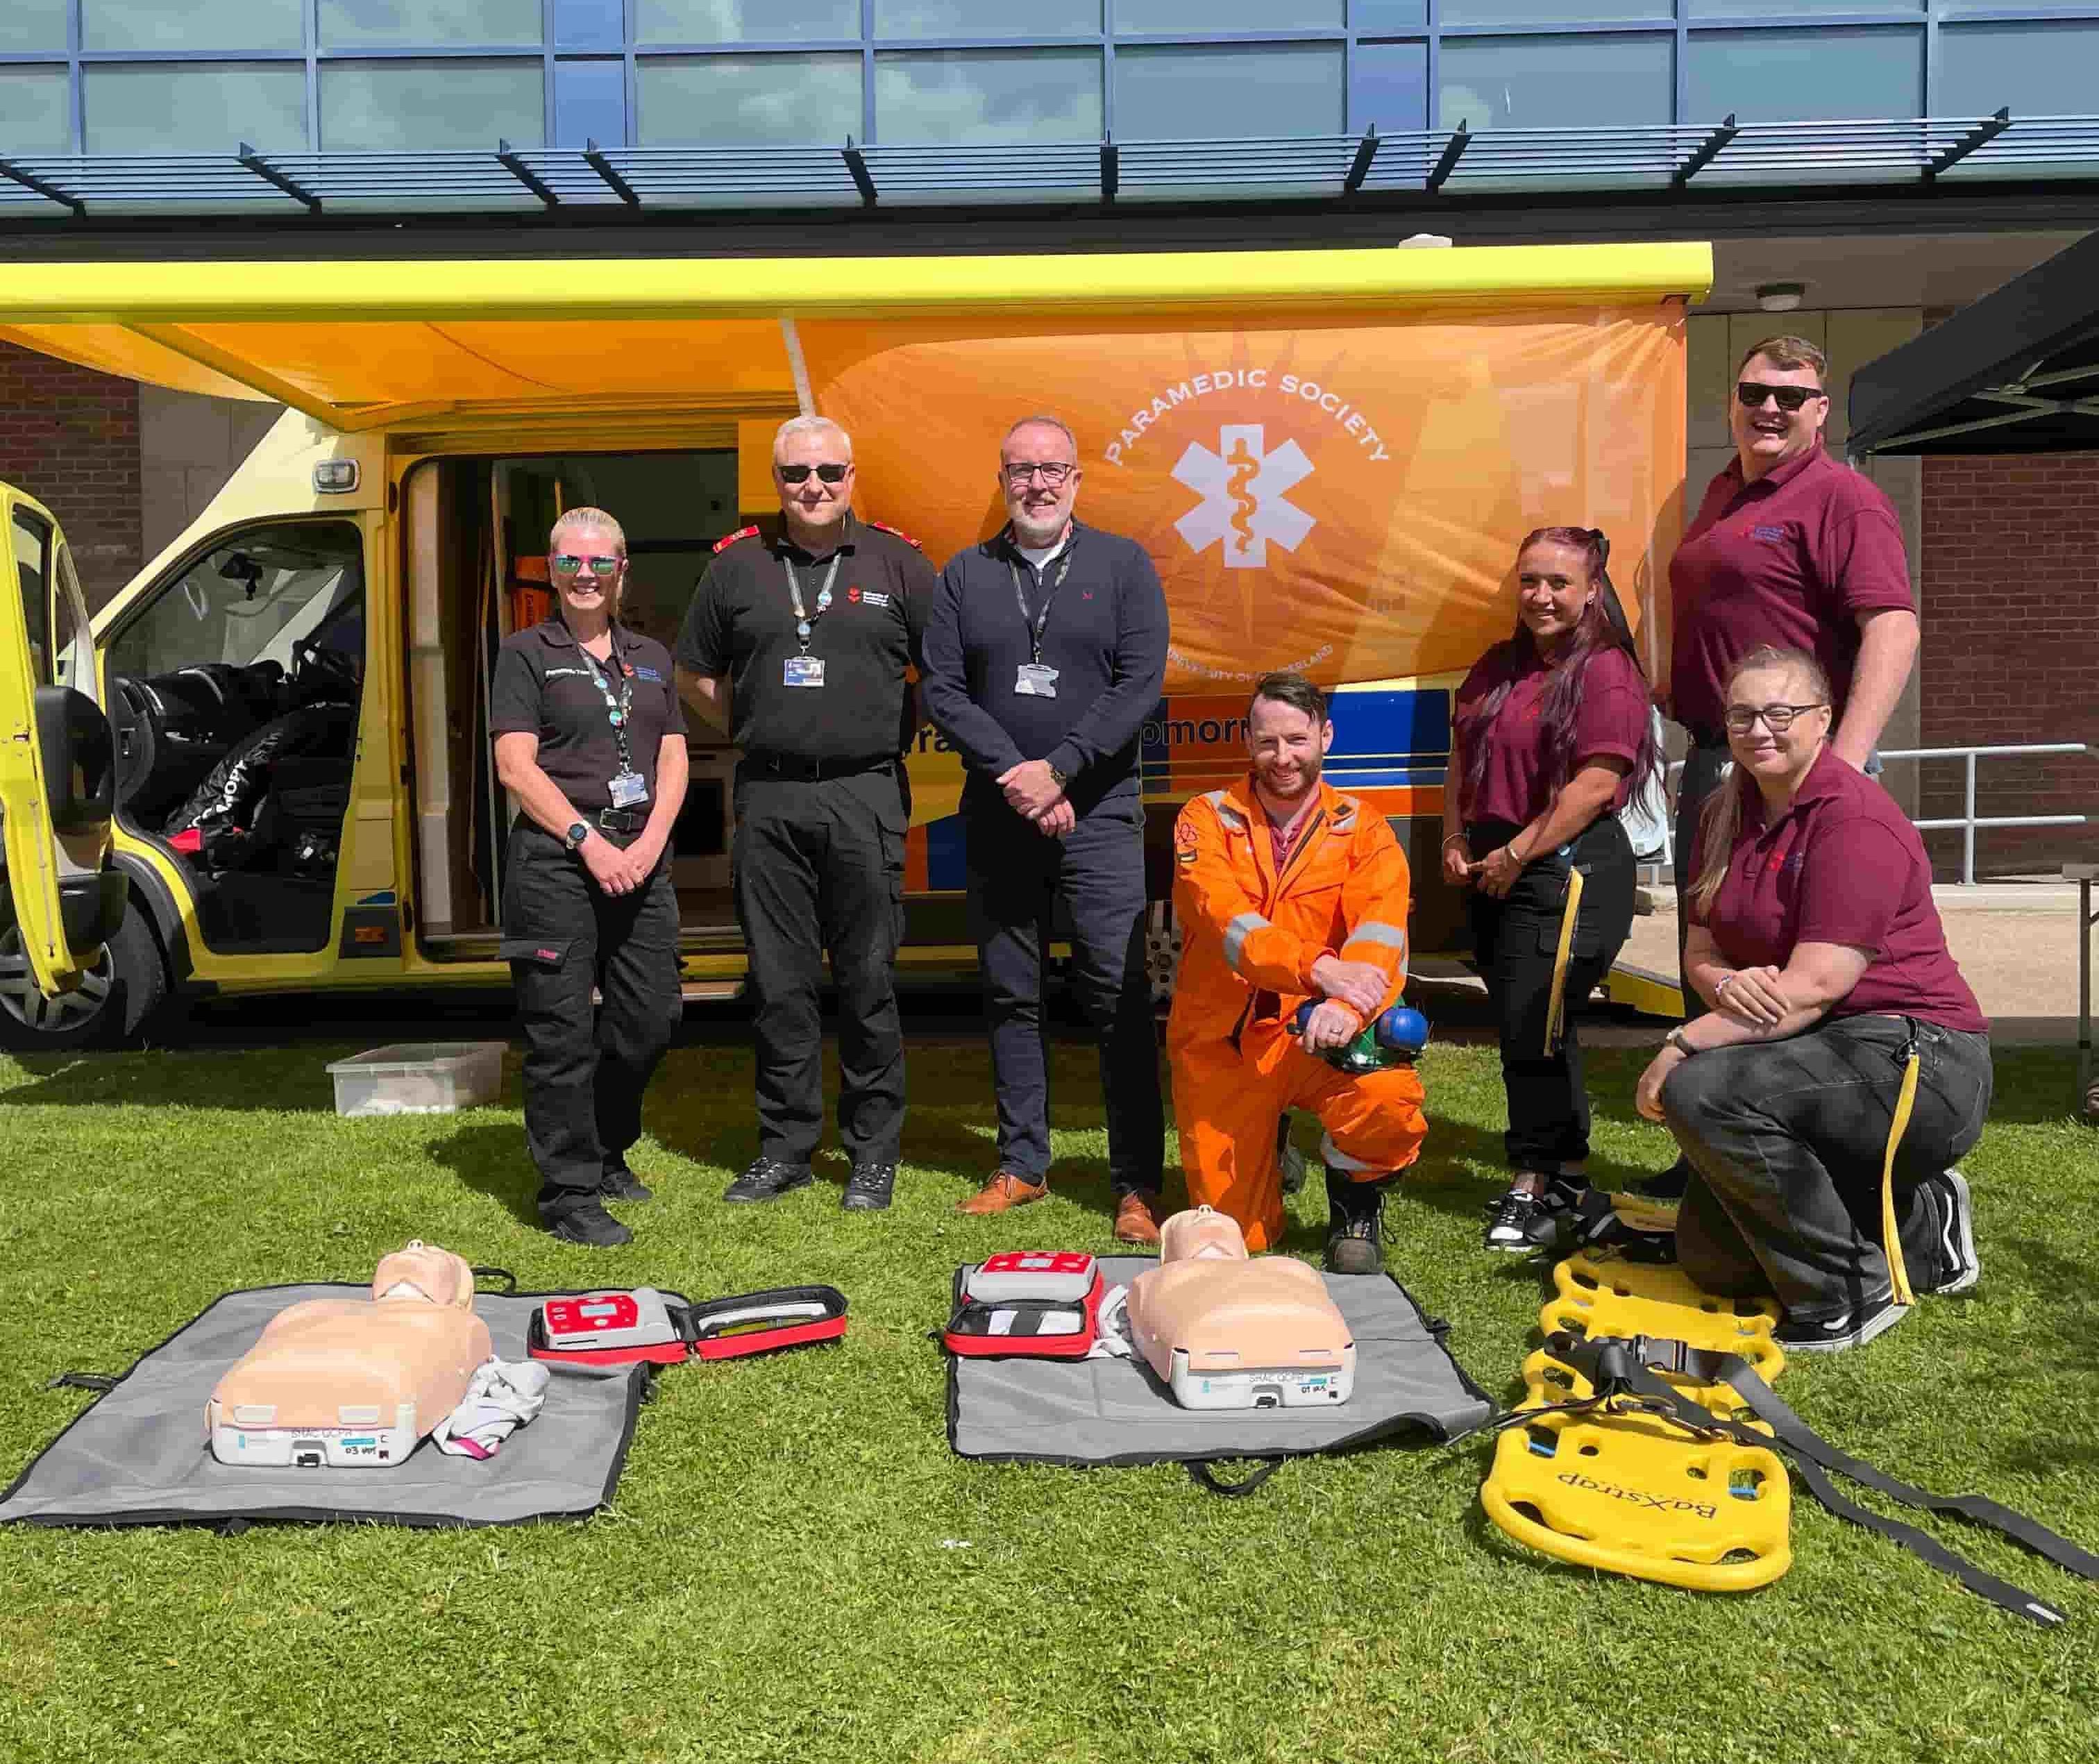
(1508, 1227)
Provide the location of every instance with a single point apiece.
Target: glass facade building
(155, 77)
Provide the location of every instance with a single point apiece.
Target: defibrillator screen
(597, 1310)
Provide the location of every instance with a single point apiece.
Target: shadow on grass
(294, 1079)
(491, 1158)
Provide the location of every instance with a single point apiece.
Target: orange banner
(1346, 500)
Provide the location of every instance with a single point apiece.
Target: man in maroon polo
(1791, 548)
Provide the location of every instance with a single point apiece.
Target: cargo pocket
(547, 953)
(1588, 927)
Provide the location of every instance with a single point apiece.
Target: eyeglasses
(604, 568)
(1751, 393)
(830, 472)
(1054, 472)
(1778, 718)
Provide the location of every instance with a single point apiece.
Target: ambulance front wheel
(115, 1000)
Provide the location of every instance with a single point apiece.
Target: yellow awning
(360, 344)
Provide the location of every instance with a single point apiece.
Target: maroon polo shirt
(1609, 724)
(1791, 560)
(1841, 864)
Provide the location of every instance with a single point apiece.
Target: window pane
(36, 111)
(590, 103)
(2040, 70)
(33, 24)
(430, 106)
(985, 18)
(770, 100)
(1539, 82)
(235, 24)
(1803, 76)
(1798, 8)
(590, 23)
(432, 23)
(194, 108)
(1181, 94)
(744, 21)
(1202, 18)
(1043, 95)
(1370, 16)
(1391, 87)
(33, 542)
(1554, 11)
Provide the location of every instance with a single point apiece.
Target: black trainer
(1846, 1329)
(1511, 1221)
(768, 1179)
(1354, 1211)
(1953, 1218)
(590, 1223)
(1668, 1185)
(620, 1183)
(869, 1188)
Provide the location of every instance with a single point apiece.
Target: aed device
(625, 1328)
(1038, 1304)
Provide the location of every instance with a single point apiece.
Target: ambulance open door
(58, 765)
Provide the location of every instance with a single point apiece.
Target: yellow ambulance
(264, 765)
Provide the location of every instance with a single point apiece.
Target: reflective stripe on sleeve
(1377, 931)
(1236, 933)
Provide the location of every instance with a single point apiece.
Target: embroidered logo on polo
(647, 673)
(1767, 534)
(569, 673)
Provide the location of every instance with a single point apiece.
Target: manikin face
(587, 589)
(1552, 590)
(1038, 508)
(1765, 435)
(1287, 748)
(1776, 755)
(815, 504)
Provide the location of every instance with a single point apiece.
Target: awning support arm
(856, 164)
(1110, 170)
(1453, 149)
(1707, 151)
(269, 174)
(1366, 151)
(50, 191)
(594, 157)
(524, 175)
(1984, 132)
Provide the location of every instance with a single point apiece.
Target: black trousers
(1787, 1140)
(820, 867)
(1516, 941)
(1017, 879)
(585, 1069)
(1704, 768)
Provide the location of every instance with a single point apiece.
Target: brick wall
(70, 437)
(2011, 649)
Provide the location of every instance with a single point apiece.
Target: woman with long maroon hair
(1550, 738)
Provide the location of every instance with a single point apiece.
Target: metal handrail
(1969, 820)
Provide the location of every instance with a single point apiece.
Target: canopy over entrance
(359, 345)
(2016, 372)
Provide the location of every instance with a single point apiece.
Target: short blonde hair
(586, 518)
(809, 424)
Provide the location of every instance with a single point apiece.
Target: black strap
(1203, 1473)
(1037, 623)
(100, 1383)
(481, 1270)
(1613, 1364)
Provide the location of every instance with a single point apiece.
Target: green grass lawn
(797, 1568)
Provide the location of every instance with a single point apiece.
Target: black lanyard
(618, 708)
(805, 622)
(1036, 622)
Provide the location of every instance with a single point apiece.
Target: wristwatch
(1675, 1039)
(1057, 777)
(579, 831)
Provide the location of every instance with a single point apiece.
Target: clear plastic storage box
(419, 1078)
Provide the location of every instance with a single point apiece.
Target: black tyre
(117, 999)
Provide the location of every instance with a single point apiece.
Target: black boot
(1353, 1212)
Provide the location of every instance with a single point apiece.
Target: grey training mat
(1116, 1412)
(138, 1457)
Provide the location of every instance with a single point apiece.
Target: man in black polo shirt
(1045, 650)
(796, 643)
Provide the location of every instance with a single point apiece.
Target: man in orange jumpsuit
(1286, 890)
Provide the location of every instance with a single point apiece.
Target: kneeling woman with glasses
(1552, 737)
(590, 737)
(1814, 939)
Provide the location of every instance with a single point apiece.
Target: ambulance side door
(58, 766)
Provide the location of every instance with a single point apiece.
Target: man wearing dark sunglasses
(1792, 549)
(796, 643)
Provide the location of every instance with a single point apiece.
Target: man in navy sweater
(1045, 651)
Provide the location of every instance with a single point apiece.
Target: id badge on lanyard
(1034, 679)
(805, 670)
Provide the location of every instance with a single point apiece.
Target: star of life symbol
(1243, 488)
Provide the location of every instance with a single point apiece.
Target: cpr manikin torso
(1226, 1332)
(348, 1382)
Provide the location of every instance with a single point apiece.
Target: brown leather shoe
(1135, 1223)
(1004, 1192)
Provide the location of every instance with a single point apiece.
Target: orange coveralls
(1249, 938)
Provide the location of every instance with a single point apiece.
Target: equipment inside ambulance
(1223, 1330)
(1328, 454)
(348, 1383)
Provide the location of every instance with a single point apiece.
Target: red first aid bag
(1039, 1304)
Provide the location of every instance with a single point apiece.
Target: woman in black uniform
(590, 737)
(1551, 737)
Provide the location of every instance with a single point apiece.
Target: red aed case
(1040, 1304)
(643, 1324)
